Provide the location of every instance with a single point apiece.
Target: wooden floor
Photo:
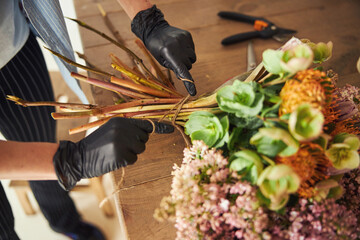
(147, 181)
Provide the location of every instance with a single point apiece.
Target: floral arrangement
(280, 161)
(274, 153)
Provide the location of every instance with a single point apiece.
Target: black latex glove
(172, 47)
(113, 145)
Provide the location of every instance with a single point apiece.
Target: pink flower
(212, 202)
(224, 204)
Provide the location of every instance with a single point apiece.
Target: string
(177, 126)
(117, 189)
(153, 124)
(180, 105)
(168, 112)
(179, 108)
(186, 80)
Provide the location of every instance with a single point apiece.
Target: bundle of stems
(145, 94)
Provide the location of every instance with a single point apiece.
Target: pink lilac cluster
(351, 186)
(317, 220)
(348, 92)
(212, 202)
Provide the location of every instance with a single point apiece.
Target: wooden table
(147, 181)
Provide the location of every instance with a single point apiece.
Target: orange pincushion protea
(345, 126)
(311, 164)
(308, 86)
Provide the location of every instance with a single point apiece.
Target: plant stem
(274, 82)
(115, 60)
(109, 86)
(258, 71)
(109, 24)
(268, 160)
(127, 50)
(159, 73)
(82, 56)
(148, 82)
(79, 65)
(101, 111)
(265, 77)
(141, 102)
(70, 115)
(141, 88)
(91, 125)
(26, 103)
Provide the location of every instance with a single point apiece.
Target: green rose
(306, 123)
(208, 127)
(343, 152)
(276, 183)
(240, 98)
(248, 163)
(290, 61)
(274, 141)
(297, 59)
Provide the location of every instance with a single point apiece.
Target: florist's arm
(115, 144)
(172, 47)
(27, 160)
(132, 7)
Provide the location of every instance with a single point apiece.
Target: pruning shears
(263, 29)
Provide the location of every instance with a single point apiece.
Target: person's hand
(172, 47)
(115, 144)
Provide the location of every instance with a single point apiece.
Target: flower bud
(343, 152)
(306, 123)
(276, 183)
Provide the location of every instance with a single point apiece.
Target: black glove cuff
(66, 162)
(146, 21)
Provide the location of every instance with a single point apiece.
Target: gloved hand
(172, 47)
(113, 145)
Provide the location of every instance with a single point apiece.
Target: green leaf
(246, 122)
(233, 140)
(206, 135)
(248, 163)
(270, 141)
(225, 135)
(267, 146)
(241, 99)
(262, 199)
(322, 140)
(273, 108)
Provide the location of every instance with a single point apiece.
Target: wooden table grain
(149, 179)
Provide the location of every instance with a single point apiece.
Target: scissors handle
(240, 17)
(240, 37)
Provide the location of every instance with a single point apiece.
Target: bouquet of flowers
(280, 161)
(274, 152)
